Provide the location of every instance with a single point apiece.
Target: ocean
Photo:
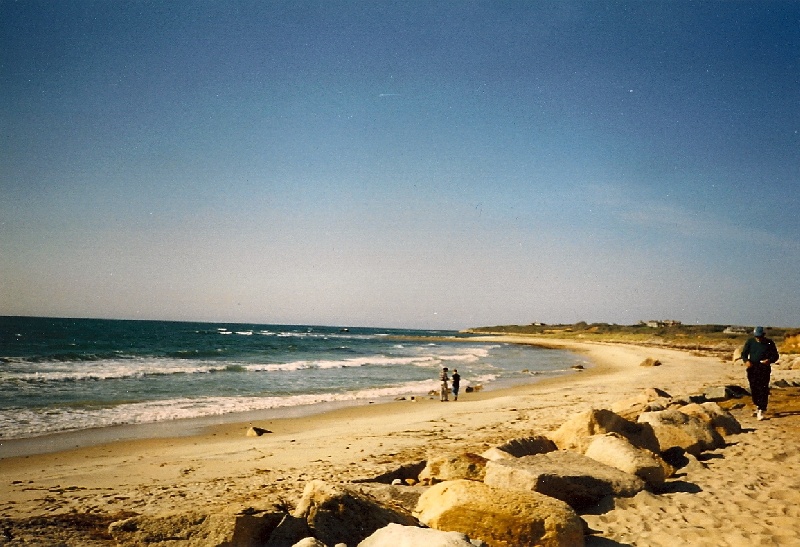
(62, 375)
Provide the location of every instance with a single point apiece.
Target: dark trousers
(758, 376)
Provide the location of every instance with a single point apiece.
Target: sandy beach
(747, 493)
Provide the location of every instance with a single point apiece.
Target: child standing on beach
(443, 378)
(456, 382)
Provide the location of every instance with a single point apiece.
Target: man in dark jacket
(758, 354)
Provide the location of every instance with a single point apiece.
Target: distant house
(664, 323)
(736, 330)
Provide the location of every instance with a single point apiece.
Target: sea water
(59, 375)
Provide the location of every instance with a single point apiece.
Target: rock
(568, 476)
(577, 431)
(721, 420)
(343, 514)
(256, 431)
(616, 451)
(650, 362)
(779, 384)
(516, 448)
(460, 466)
(395, 535)
(673, 428)
(309, 542)
(717, 393)
(498, 516)
(196, 529)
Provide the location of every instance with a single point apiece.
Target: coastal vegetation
(721, 340)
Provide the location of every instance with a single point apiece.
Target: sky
(413, 164)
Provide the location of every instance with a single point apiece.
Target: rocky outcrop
(673, 428)
(343, 514)
(452, 467)
(576, 433)
(395, 535)
(517, 448)
(614, 450)
(500, 517)
(568, 476)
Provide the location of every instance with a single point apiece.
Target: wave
(33, 422)
(208, 361)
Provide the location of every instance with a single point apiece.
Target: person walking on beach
(758, 354)
(443, 377)
(456, 381)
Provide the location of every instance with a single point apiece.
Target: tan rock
(576, 433)
(344, 514)
(395, 535)
(721, 420)
(500, 517)
(568, 476)
(616, 451)
(673, 428)
(452, 467)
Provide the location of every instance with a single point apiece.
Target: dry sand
(745, 494)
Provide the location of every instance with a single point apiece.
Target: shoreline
(220, 469)
(59, 441)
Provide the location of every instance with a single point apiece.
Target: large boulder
(516, 448)
(614, 450)
(343, 514)
(499, 516)
(721, 420)
(451, 467)
(568, 476)
(576, 433)
(196, 529)
(395, 535)
(676, 429)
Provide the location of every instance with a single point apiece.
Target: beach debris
(650, 362)
(674, 428)
(576, 433)
(568, 476)
(343, 514)
(455, 466)
(615, 450)
(253, 431)
(516, 448)
(506, 517)
(397, 535)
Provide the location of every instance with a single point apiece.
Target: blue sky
(412, 164)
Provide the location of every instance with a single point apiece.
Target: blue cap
(759, 331)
